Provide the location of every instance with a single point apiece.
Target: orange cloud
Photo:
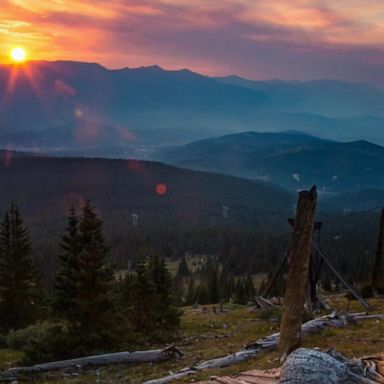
(203, 35)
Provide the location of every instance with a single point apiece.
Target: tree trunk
(379, 254)
(299, 258)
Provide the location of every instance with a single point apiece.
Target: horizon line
(185, 69)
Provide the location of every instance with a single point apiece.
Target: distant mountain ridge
(327, 97)
(160, 108)
(291, 160)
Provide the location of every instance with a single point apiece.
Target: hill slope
(167, 200)
(292, 160)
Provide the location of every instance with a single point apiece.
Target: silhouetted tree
(19, 288)
(183, 270)
(65, 291)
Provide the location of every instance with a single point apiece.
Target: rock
(315, 367)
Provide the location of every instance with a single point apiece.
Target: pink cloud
(262, 38)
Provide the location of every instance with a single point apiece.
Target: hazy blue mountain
(87, 138)
(45, 105)
(359, 200)
(292, 160)
(40, 95)
(325, 97)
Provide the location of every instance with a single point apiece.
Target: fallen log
(267, 344)
(262, 303)
(151, 356)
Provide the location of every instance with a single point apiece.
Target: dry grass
(207, 335)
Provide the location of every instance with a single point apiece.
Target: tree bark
(299, 259)
(379, 253)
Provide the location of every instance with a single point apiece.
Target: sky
(257, 39)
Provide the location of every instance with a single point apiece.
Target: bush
(20, 338)
(271, 314)
(41, 342)
(367, 291)
(3, 343)
(50, 344)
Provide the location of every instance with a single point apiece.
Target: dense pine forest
(179, 212)
(84, 302)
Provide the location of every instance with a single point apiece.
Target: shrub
(41, 342)
(367, 291)
(271, 314)
(52, 343)
(20, 338)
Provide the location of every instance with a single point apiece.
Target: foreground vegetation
(204, 335)
(93, 308)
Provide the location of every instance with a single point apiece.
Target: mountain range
(72, 108)
(226, 125)
(292, 160)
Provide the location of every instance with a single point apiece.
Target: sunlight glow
(18, 54)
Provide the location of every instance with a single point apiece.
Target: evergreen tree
(213, 286)
(224, 285)
(83, 284)
(249, 288)
(94, 281)
(166, 314)
(190, 299)
(183, 270)
(65, 279)
(178, 291)
(202, 296)
(18, 279)
(240, 294)
(143, 298)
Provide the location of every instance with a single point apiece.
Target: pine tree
(224, 286)
(94, 281)
(65, 279)
(166, 314)
(143, 298)
(213, 286)
(18, 279)
(241, 294)
(183, 270)
(250, 287)
(83, 284)
(202, 296)
(190, 298)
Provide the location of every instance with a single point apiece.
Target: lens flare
(161, 189)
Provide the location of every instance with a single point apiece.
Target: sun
(18, 54)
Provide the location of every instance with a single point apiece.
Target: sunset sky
(304, 39)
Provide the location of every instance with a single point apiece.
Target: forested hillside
(292, 160)
(178, 212)
(174, 206)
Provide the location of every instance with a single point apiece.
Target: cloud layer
(260, 39)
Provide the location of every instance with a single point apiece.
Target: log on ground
(267, 344)
(151, 356)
